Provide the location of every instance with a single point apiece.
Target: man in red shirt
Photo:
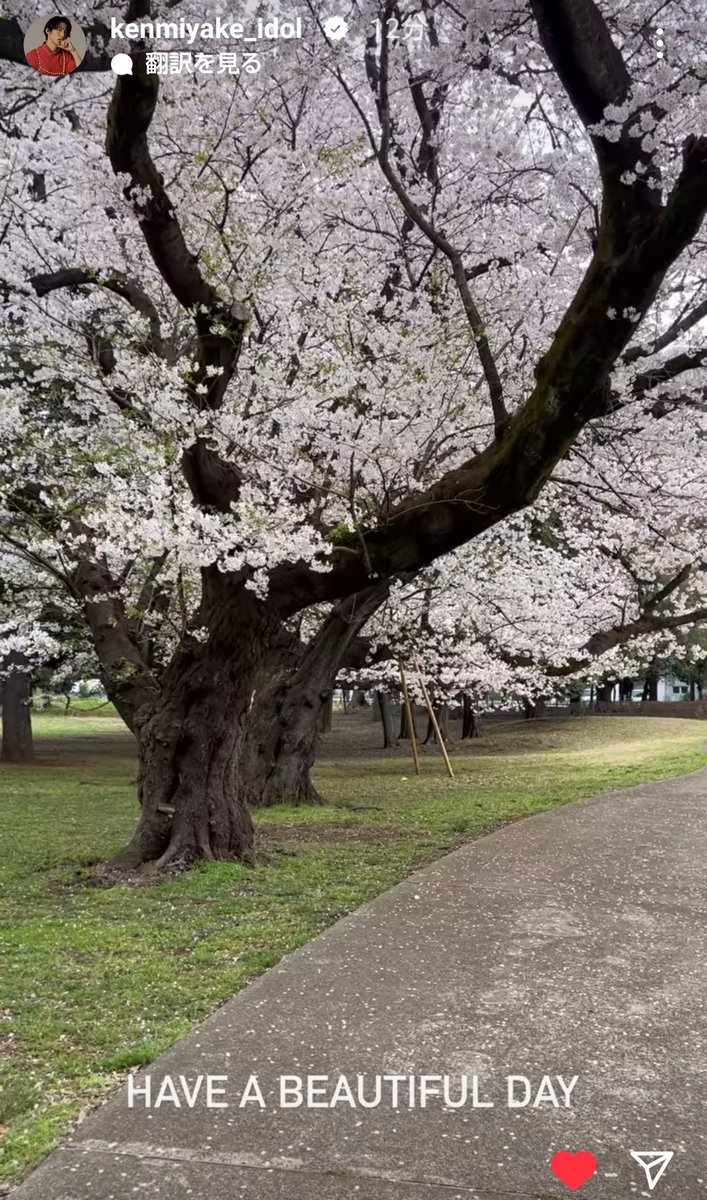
(57, 54)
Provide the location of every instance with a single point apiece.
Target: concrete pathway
(572, 943)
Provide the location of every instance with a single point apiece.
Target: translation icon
(654, 1163)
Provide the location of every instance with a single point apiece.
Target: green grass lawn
(95, 980)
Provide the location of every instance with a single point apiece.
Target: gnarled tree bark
(285, 723)
(191, 737)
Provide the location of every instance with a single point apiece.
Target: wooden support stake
(411, 721)
(435, 723)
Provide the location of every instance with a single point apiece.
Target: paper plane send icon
(654, 1163)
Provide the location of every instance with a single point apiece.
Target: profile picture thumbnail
(55, 45)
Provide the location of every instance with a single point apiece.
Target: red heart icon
(574, 1169)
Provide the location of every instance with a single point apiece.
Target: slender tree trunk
(442, 715)
(16, 698)
(650, 686)
(327, 714)
(404, 732)
(471, 724)
(386, 719)
(604, 694)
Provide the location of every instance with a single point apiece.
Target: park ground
(98, 979)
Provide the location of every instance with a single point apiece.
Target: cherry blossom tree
(25, 645)
(278, 344)
(43, 641)
(535, 605)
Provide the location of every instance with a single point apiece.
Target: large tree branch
(665, 372)
(668, 588)
(125, 672)
(335, 640)
(572, 381)
(212, 481)
(608, 639)
(603, 640)
(120, 285)
(127, 679)
(683, 325)
(220, 326)
(648, 622)
(639, 239)
(578, 43)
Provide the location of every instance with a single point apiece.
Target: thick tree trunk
(534, 709)
(282, 738)
(190, 739)
(16, 698)
(282, 748)
(189, 745)
(284, 725)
